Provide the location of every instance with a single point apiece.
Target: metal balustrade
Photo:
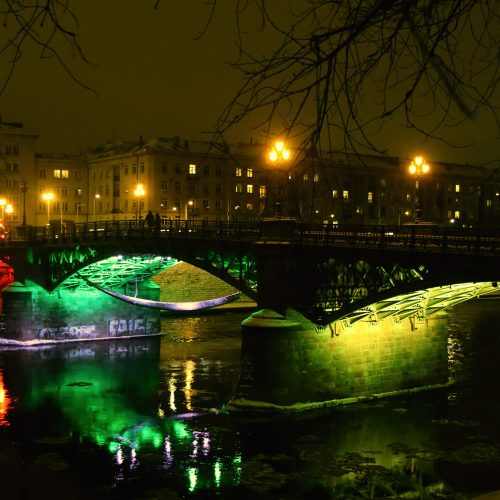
(411, 238)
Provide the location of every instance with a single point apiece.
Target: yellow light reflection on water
(217, 472)
(4, 402)
(193, 478)
(189, 379)
(171, 392)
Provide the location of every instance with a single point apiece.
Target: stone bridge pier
(294, 358)
(290, 364)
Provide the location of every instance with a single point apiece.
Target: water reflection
(144, 418)
(5, 401)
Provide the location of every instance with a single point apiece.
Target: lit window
(238, 172)
(238, 188)
(316, 177)
(61, 174)
(345, 194)
(305, 177)
(249, 188)
(489, 203)
(335, 194)
(262, 191)
(370, 197)
(457, 188)
(192, 169)
(249, 172)
(457, 214)
(249, 206)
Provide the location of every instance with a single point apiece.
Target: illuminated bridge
(325, 273)
(320, 280)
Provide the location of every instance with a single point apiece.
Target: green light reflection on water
(113, 403)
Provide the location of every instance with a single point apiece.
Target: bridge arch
(236, 267)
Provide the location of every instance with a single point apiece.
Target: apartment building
(195, 180)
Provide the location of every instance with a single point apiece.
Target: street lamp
(24, 188)
(47, 197)
(418, 167)
(189, 209)
(139, 193)
(96, 197)
(279, 155)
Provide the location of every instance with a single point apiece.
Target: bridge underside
(420, 304)
(126, 273)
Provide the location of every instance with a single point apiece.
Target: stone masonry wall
(185, 283)
(303, 366)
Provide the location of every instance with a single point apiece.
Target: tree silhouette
(335, 70)
(342, 68)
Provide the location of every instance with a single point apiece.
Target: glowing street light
(279, 152)
(139, 193)
(47, 197)
(279, 155)
(417, 168)
(96, 197)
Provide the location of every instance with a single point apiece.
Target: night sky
(153, 78)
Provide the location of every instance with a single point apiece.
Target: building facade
(193, 180)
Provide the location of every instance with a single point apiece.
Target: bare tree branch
(342, 68)
(50, 25)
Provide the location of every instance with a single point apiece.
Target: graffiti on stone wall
(140, 326)
(67, 332)
(115, 328)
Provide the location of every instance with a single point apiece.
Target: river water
(146, 419)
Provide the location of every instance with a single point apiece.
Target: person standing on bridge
(150, 220)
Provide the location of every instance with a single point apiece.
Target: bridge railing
(428, 239)
(415, 238)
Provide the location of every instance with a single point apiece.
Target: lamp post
(139, 193)
(24, 188)
(3, 202)
(418, 167)
(47, 197)
(96, 197)
(279, 155)
(78, 205)
(8, 210)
